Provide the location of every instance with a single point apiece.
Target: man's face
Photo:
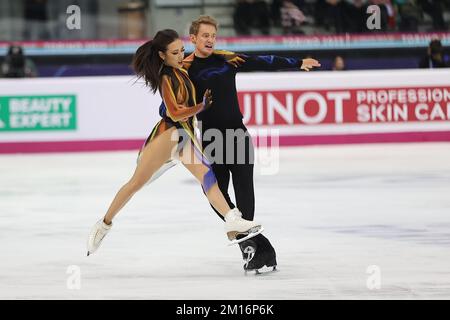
(204, 40)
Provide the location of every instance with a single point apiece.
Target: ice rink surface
(331, 212)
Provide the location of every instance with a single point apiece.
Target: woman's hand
(309, 63)
(207, 99)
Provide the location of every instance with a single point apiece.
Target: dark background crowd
(339, 16)
(248, 17)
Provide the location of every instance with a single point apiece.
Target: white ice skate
(235, 225)
(98, 232)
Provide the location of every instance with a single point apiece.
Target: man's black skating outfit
(218, 73)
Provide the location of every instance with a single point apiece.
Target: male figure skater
(216, 70)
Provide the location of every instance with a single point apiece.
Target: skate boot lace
(99, 235)
(250, 251)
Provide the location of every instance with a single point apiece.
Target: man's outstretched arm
(273, 63)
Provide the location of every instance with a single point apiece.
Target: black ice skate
(258, 255)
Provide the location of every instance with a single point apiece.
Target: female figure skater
(159, 62)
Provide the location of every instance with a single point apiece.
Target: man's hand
(309, 63)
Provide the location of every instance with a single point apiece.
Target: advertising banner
(296, 108)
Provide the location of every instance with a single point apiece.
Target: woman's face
(174, 54)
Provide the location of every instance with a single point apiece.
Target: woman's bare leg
(154, 155)
(199, 170)
(234, 224)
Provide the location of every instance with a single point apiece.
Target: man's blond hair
(195, 25)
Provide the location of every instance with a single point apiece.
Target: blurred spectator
(356, 16)
(251, 13)
(261, 16)
(434, 57)
(335, 16)
(391, 14)
(338, 64)
(35, 14)
(410, 15)
(16, 65)
(435, 9)
(320, 7)
(241, 17)
(291, 17)
(275, 12)
(343, 16)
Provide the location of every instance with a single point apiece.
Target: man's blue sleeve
(269, 63)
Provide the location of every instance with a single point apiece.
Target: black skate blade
(248, 236)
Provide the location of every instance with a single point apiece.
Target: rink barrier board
(116, 113)
(284, 141)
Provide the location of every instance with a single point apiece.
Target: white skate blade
(249, 236)
(264, 271)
